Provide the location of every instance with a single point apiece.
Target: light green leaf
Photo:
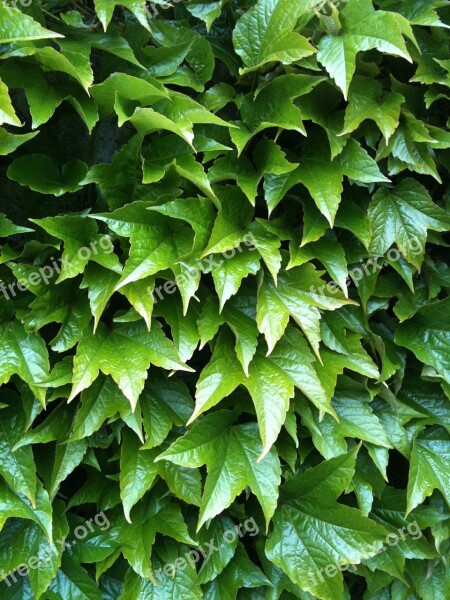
(230, 453)
(265, 34)
(105, 10)
(427, 334)
(16, 26)
(429, 468)
(312, 530)
(366, 101)
(403, 215)
(363, 28)
(105, 351)
(23, 355)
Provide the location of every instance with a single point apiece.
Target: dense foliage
(224, 308)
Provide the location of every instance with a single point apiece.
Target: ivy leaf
(16, 465)
(330, 253)
(264, 34)
(181, 585)
(8, 228)
(403, 215)
(82, 243)
(101, 401)
(324, 177)
(427, 334)
(229, 275)
(363, 28)
(127, 88)
(139, 470)
(105, 10)
(17, 505)
(273, 106)
(429, 466)
(300, 293)
(207, 12)
(120, 180)
(7, 113)
(230, 453)
(165, 402)
(16, 26)
(9, 142)
(153, 245)
(27, 538)
(366, 101)
(310, 507)
(41, 174)
(104, 352)
(72, 579)
(239, 573)
(23, 355)
(355, 420)
(101, 284)
(218, 560)
(67, 458)
(150, 516)
(272, 380)
(239, 315)
(56, 92)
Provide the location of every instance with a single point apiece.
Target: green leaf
(324, 177)
(73, 581)
(16, 26)
(363, 28)
(17, 505)
(16, 465)
(180, 585)
(100, 402)
(355, 420)
(23, 355)
(300, 293)
(104, 352)
(138, 472)
(207, 12)
(7, 113)
(165, 402)
(67, 458)
(366, 101)
(9, 142)
(231, 454)
(153, 245)
(264, 34)
(41, 174)
(330, 253)
(312, 530)
(105, 10)
(8, 228)
(427, 334)
(82, 243)
(403, 215)
(239, 573)
(56, 92)
(429, 468)
(149, 517)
